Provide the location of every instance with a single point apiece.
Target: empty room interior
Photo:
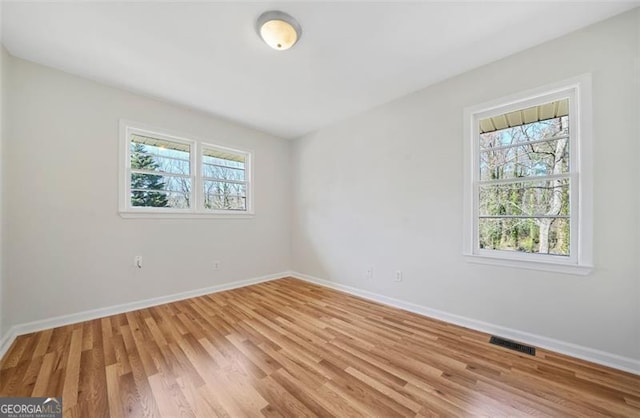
(304, 208)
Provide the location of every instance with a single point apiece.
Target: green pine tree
(140, 160)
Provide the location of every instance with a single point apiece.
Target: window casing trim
(197, 209)
(580, 260)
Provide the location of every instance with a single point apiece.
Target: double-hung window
(159, 172)
(528, 180)
(163, 174)
(224, 177)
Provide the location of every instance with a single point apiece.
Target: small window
(528, 192)
(160, 173)
(224, 175)
(159, 176)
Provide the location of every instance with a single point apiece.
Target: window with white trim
(163, 174)
(224, 179)
(528, 182)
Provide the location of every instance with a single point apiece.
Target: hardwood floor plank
(140, 382)
(287, 348)
(11, 379)
(386, 390)
(259, 358)
(200, 405)
(122, 359)
(107, 341)
(281, 400)
(297, 367)
(72, 374)
(29, 377)
(43, 343)
(371, 400)
(40, 387)
(301, 390)
(113, 392)
(131, 403)
(169, 397)
(13, 356)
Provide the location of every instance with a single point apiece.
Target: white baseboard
(585, 353)
(59, 321)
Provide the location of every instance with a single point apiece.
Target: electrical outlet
(369, 273)
(216, 265)
(398, 277)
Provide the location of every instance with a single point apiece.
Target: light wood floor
(288, 348)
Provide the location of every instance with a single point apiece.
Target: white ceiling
(352, 56)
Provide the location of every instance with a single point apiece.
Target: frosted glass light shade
(278, 30)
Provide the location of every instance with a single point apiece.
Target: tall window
(524, 182)
(527, 194)
(159, 176)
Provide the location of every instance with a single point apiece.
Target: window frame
(580, 259)
(197, 147)
(247, 175)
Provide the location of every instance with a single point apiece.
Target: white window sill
(185, 215)
(580, 270)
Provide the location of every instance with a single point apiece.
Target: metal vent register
(512, 345)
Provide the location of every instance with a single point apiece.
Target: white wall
(3, 60)
(67, 248)
(346, 218)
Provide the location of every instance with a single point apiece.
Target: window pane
(528, 132)
(150, 190)
(223, 195)
(222, 173)
(223, 158)
(538, 159)
(145, 181)
(153, 154)
(550, 197)
(541, 112)
(529, 235)
(160, 199)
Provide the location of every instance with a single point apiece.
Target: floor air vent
(512, 345)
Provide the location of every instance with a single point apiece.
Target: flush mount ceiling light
(278, 30)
